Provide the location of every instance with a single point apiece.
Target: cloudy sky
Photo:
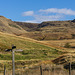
(37, 11)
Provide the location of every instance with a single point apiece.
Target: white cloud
(47, 18)
(60, 11)
(38, 18)
(28, 13)
(51, 14)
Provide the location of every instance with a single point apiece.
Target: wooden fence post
(54, 70)
(40, 70)
(4, 69)
(70, 68)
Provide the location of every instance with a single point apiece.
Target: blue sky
(37, 10)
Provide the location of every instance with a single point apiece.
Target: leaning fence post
(4, 69)
(40, 70)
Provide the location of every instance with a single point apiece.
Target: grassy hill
(33, 52)
(31, 48)
(51, 30)
(8, 26)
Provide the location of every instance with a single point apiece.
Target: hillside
(8, 26)
(28, 26)
(58, 29)
(57, 26)
(32, 49)
(51, 30)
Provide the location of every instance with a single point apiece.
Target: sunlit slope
(9, 26)
(31, 49)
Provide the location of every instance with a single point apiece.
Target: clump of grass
(67, 45)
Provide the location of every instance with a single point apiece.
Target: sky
(37, 11)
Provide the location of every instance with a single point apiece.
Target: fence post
(54, 70)
(4, 69)
(40, 70)
(13, 63)
(70, 68)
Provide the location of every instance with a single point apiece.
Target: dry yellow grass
(8, 26)
(60, 43)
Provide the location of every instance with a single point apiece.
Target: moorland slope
(51, 30)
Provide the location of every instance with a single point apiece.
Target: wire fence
(44, 69)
